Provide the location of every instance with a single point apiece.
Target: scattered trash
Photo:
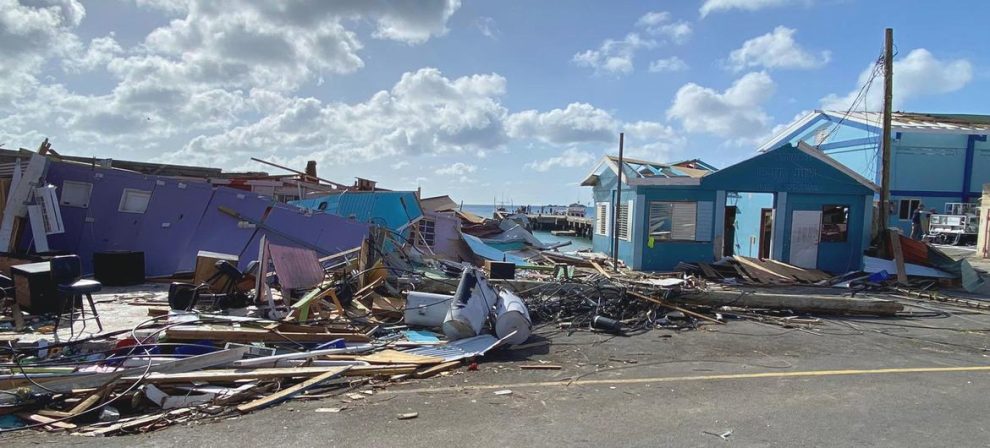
(408, 415)
(503, 392)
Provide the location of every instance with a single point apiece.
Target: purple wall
(183, 218)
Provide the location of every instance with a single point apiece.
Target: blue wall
(604, 192)
(664, 255)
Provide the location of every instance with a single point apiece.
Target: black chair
(66, 271)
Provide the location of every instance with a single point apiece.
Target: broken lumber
(229, 375)
(675, 307)
(288, 392)
(806, 303)
(250, 335)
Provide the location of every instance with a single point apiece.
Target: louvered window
(601, 218)
(673, 221)
(625, 220)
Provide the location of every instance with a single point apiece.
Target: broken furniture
(206, 266)
(33, 288)
(66, 273)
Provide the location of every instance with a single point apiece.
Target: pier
(582, 226)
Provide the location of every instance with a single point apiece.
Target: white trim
(779, 137)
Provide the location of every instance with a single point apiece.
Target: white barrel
(424, 309)
(511, 315)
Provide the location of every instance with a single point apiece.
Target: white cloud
(671, 64)
(652, 141)
(617, 57)
(711, 6)
(487, 27)
(576, 123)
(29, 35)
(919, 73)
(423, 113)
(569, 158)
(776, 49)
(456, 169)
(100, 52)
(659, 23)
(736, 113)
(614, 56)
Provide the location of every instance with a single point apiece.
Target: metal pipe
(615, 209)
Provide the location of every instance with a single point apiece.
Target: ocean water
(488, 211)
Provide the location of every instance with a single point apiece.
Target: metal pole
(888, 99)
(615, 209)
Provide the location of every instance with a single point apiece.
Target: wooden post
(615, 209)
(895, 248)
(888, 100)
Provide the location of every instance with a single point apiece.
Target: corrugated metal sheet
(907, 121)
(391, 209)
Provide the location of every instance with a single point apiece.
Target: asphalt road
(845, 382)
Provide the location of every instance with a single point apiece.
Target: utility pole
(888, 99)
(615, 209)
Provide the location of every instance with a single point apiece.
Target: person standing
(916, 221)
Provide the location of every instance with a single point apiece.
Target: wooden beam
(249, 335)
(288, 392)
(229, 375)
(895, 247)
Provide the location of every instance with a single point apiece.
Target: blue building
(935, 158)
(818, 211)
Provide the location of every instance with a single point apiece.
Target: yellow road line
(727, 376)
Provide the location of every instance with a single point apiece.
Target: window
(427, 231)
(601, 218)
(625, 220)
(907, 206)
(835, 223)
(673, 221)
(76, 194)
(134, 201)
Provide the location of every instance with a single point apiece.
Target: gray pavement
(845, 382)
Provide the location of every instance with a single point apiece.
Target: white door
(805, 233)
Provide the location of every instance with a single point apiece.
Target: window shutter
(682, 222)
(623, 212)
(601, 218)
(704, 221)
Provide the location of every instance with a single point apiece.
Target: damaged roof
(643, 172)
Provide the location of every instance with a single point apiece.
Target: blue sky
(504, 100)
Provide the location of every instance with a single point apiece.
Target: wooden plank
(675, 307)
(229, 375)
(15, 208)
(67, 383)
(600, 270)
(90, 401)
(751, 265)
(895, 247)
(288, 392)
(249, 335)
(439, 368)
(390, 356)
(708, 271)
(48, 421)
